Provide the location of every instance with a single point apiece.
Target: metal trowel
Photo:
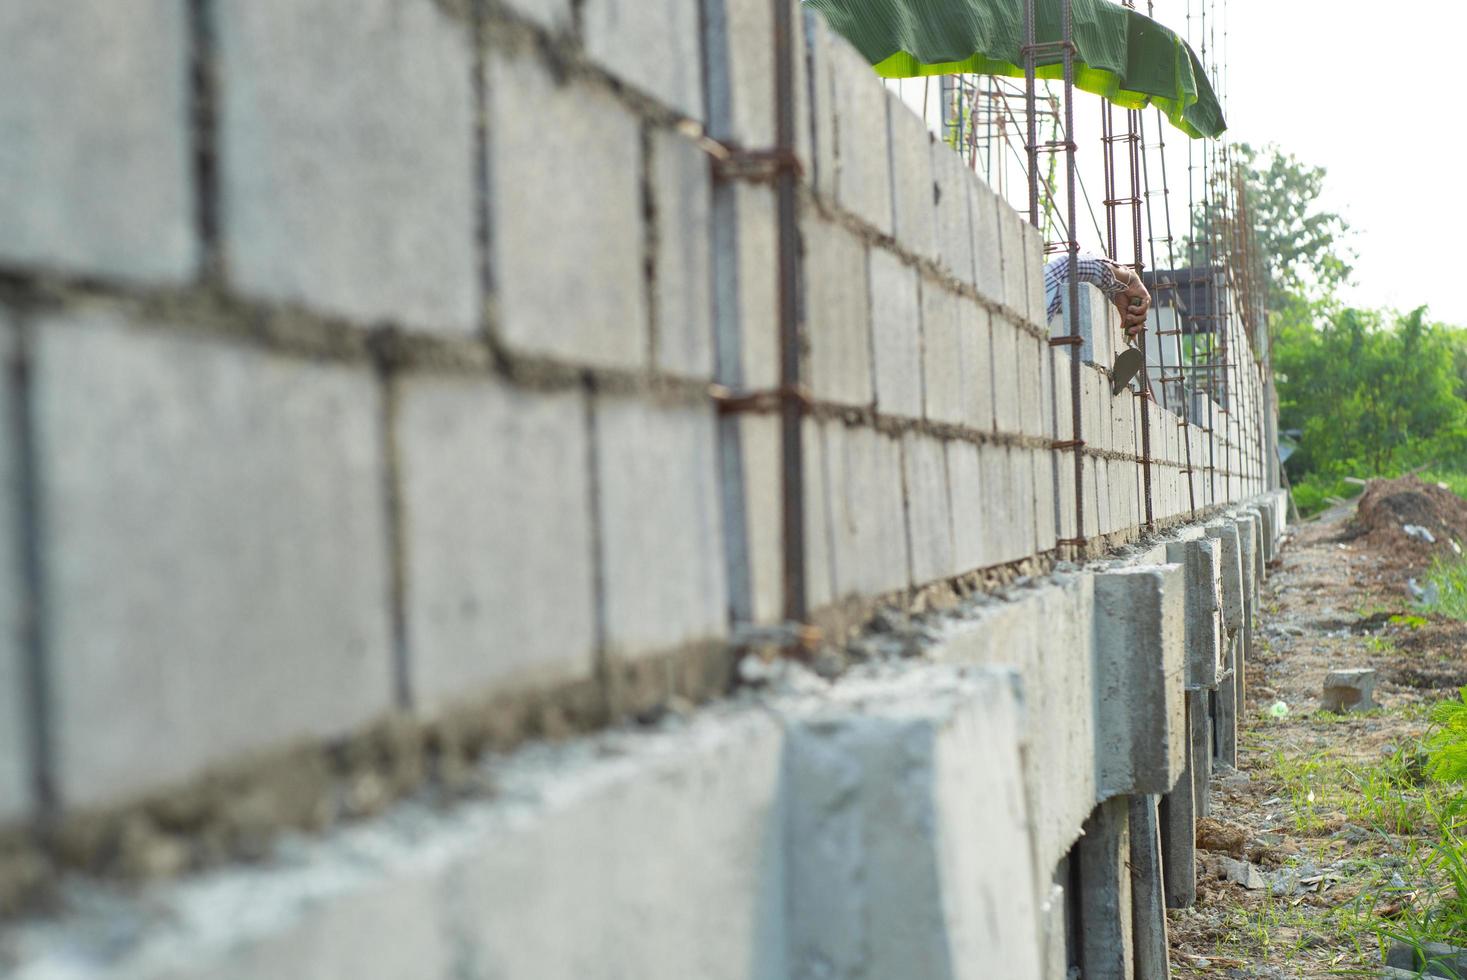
(1129, 363)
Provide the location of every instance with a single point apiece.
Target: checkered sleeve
(1099, 272)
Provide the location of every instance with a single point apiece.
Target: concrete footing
(1148, 892)
(1104, 854)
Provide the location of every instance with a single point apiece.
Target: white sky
(1369, 91)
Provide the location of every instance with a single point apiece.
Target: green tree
(1369, 397)
(1304, 250)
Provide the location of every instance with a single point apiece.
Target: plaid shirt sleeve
(1099, 272)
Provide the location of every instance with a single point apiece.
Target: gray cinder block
(869, 534)
(681, 183)
(360, 199)
(565, 166)
(661, 529)
(620, 35)
(953, 212)
(837, 314)
(496, 502)
(987, 246)
(94, 118)
(863, 168)
(913, 208)
(929, 517)
(215, 523)
(896, 329)
(969, 506)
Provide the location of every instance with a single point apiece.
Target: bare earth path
(1317, 807)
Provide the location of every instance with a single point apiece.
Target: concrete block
(929, 511)
(1125, 433)
(496, 502)
(913, 189)
(1025, 517)
(1045, 634)
(987, 246)
(1230, 572)
(837, 314)
(553, 15)
(1001, 532)
(869, 534)
(1148, 895)
(1349, 689)
(753, 509)
(1008, 408)
(896, 333)
(1029, 373)
(746, 286)
(740, 71)
(822, 99)
(1204, 602)
(911, 790)
(359, 201)
(94, 116)
(619, 34)
(1013, 248)
(215, 518)
(1104, 853)
(1046, 516)
(863, 168)
(662, 570)
(682, 195)
(1033, 243)
(819, 507)
(942, 361)
(15, 746)
(975, 364)
(1139, 670)
(1199, 720)
(970, 510)
(954, 222)
(565, 167)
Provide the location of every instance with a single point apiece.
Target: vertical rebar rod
(1031, 146)
(1072, 280)
(1133, 152)
(791, 408)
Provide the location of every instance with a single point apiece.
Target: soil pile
(1388, 507)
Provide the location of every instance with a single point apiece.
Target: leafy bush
(1447, 746)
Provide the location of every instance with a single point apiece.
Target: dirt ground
(1312, 808)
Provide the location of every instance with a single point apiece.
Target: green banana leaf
(1124, 56)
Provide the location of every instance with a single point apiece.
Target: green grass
(1450, 578)
(1312, 493)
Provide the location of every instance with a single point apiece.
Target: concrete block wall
(399, 400)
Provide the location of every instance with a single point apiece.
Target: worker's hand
(1134, 302)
